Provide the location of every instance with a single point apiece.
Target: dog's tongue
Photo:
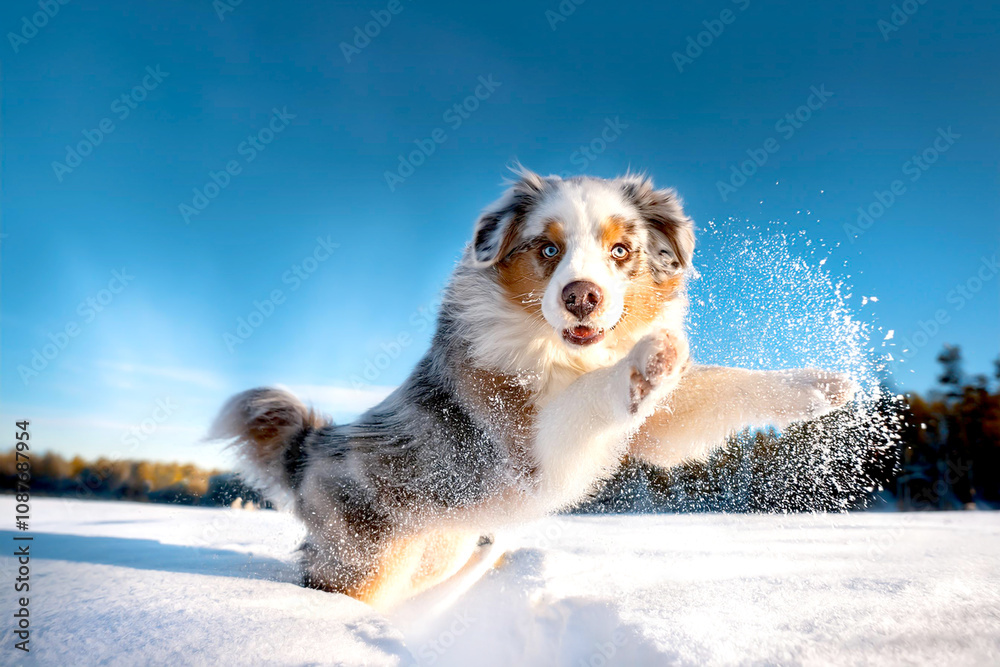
(582, 332)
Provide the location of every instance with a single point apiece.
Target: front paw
(653, 362)
(807, 393)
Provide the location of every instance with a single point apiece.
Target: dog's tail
(267, 427)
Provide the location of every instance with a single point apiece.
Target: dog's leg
(580, 433)
(711, 403)
(394, 571)
(391, 577)
(425, 606)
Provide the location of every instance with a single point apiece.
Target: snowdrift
(124, 584)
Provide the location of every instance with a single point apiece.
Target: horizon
(200, 201)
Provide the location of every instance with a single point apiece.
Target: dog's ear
(671, 238)
(500, 223)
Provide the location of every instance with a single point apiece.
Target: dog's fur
(523, 404)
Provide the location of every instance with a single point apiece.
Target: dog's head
(596, 258)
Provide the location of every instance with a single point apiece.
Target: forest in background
(946, 456)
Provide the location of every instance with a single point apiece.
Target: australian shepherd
(560, 348)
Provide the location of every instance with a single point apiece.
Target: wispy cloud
(103, 424)
(191, 376)
(341, 401)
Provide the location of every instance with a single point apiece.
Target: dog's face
(597, 259)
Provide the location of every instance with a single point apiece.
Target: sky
(202, 197)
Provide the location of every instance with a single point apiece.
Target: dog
(560, 348)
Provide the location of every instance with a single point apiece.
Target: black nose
(581, 297)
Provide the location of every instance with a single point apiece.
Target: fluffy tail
(267, 427)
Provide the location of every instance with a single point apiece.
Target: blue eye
(620, 251)
(550, 250)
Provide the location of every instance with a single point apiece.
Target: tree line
(115, 479)
(942, 453)
(940, 450)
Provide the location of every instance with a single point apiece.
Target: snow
(122, 584)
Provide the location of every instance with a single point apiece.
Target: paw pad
(654, 358)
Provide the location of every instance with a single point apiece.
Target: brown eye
(550, 250)
(619, 251)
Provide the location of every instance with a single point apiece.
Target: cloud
(80, 425)
(191, 376)
(342, 401)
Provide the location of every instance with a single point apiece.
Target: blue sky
(164, 95)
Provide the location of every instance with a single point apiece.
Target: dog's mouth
(583, 335)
